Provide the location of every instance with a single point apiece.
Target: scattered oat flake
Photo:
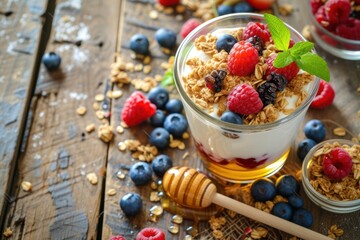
(286, 9)
(147, 60)
(119, 129)
(26, 186)
(185, 135)
(174, 228)
(96, 106)
(100, 114)
(120, 175)
(306, 32)
(99, 97)
(339, 131)
(154, 14)
(105, 133)
(111, 192)
(147, 69)
(81, 110)
(90, 128)
(123, 124)
(92, 178)
(154, 196)
(185, 155)
(7, 232)
(122, 146)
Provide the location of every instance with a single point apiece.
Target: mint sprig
(168, 78)
(300, 53)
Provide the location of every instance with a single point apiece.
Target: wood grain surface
(58, 154)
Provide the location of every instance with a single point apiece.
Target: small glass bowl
(336, 45)
(316, 197)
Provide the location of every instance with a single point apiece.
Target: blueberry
(286, 185)
(224, 9)
(315, 130)
(304, 147)
(160, 138)
(225, 42)
(296, 201)
(131, 204)
(161, 164)
(158, 96)
(174, 106)
(140, 173)
(282, 210)
(243, 7)
(231, 117)
(166, 38)
(263, 190)
(302, 217)
(157, 120)
(51, 61)
(139, 43)
(176, 124)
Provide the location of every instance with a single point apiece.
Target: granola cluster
(215, 102)
(346, 189)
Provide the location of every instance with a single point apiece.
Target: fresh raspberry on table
(289, 72)
(137, 108)
(315, 5)
(168, 3)
(242, 59)
(257, 29)
(150, 234)
(337, 164)
(244, 99)
(324, 96)
(188, 26)
(118, 237)
(350, 29)
(337, 11)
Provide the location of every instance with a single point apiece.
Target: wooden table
(43, 140)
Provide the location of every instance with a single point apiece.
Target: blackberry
(278, 79)
(215, 79)
(257, 42)
(267, 93)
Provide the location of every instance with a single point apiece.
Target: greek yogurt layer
(264, 137)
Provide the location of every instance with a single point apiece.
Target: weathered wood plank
(59, 154)
(20, 33)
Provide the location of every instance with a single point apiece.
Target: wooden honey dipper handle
(190, 188)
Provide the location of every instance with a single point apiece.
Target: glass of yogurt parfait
(260, 144)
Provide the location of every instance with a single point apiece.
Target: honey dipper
(189, 188)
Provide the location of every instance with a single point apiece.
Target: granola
(215, 102)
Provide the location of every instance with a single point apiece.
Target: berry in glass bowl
(336, 27)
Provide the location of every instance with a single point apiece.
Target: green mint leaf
(315, 65)
(301, 48)
(283, 59)
(279, 32)
(168, 78)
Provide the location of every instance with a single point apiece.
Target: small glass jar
(336, 206)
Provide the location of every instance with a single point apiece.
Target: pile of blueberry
(315, 132)
(166, 38)
(167, 121)
(287, 186)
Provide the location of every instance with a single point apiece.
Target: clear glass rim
(216, 121)
(338, 38)
(305, 176)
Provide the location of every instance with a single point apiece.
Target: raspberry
(324, 96)
(315, 5)
(337, 11)
(118, 237)
(350, 29)
(137, 108)
(150, 234)
(242, 59)
(167, 3)
(322, 19)
(337, 164)
(289, 72)
(243, 99)
(188, 26)
(257, 29)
